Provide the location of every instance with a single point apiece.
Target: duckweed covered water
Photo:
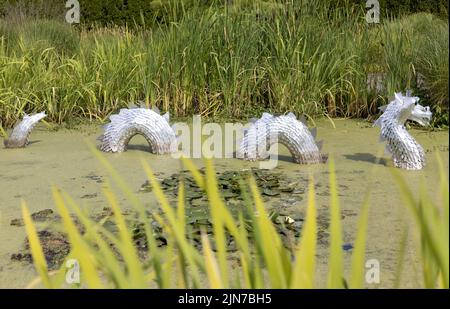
(63, 158)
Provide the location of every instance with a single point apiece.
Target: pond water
(63, 158)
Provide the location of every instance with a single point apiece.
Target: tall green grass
(235, 61)
(432, 223)
(111, 261)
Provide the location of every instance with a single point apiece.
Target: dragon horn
(319, 145)
(166, 117)
(292, 115)
(266, 115)
(398, 96)
(382, 108)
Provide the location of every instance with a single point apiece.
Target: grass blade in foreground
(336, 272)
(304, 268)
(35, 246)
(359, 252)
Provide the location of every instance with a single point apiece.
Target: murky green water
(63, 159)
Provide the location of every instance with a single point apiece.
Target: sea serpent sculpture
(285, 130)
(130, 122)
(406, 152)
(21, 132)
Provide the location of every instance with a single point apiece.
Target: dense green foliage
(305, 57)
(141, 12)
(399, 7)
(111, 12)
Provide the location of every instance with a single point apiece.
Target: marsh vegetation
(139, 220)
(231, 61)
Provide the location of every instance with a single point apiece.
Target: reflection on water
(63, 159)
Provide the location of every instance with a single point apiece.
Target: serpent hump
(253, 145)
(130, 122)
(285, 130)
(20, 133)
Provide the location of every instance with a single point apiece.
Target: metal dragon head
(411, 110)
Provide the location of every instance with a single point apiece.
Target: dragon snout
(421, 114)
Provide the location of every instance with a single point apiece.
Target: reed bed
(229, 62)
